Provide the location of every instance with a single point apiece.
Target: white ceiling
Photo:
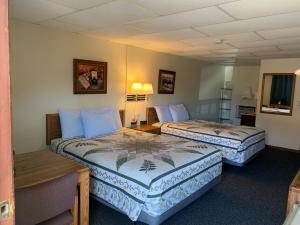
(220, 31)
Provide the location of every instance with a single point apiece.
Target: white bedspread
(137, 171)
(238, 143)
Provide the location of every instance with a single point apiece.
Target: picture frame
(89, 77)
(166, 82)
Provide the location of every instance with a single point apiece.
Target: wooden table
(40, 166)
(294, 193)
(147, 128)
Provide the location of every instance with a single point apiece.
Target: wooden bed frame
(151, 115)
(53, 129)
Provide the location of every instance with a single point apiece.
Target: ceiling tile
(245, 9)
(279, 54)
(281, 33)
(263, 43)
(257, 24)
(115, 32)
(80, 4)
(114, 13)
(130, 41)
(173, 35)
(190, 53)
(221, 59)
(230, 55)
(165, 7)
(227, 51)
(36, 10)
(224, 39)
(289, 47)
(244, 52)
(188, 28)
(250, 61)
(259, 49)
(62, 26)
(200, 17)
(212, 46)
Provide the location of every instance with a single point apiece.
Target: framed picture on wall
(90, 77)
(166, 82)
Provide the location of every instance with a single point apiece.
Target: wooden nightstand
(147, 128)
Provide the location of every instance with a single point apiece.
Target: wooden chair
(48, 203)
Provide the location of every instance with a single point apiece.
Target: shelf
(224, 109)
(225, 105)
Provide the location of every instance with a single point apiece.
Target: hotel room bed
(148, 177)
(238, 144)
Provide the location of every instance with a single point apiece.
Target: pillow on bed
(112, 111)
(70, 122)
(163, 113)
(179, 112)
(96, 123)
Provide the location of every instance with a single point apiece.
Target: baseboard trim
(282, 149)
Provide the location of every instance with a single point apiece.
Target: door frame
(6, 164)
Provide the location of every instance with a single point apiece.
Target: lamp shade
(147, 89)
(136, 88)
(297, 72)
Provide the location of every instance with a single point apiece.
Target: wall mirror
(277, 93)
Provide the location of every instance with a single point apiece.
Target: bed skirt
(151, 220)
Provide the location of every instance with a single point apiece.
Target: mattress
(141, 172)
(237, 143)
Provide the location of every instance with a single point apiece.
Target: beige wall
(282, 131)
(243, 77)
(42, 78)
(143, 66)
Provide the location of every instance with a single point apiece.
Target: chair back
(44, 201)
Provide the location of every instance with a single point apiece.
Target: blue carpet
(255, 194)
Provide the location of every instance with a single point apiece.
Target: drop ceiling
(219, 31)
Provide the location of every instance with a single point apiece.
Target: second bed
(239, 144)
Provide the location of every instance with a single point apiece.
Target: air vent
(131, 98)
(134, 98)
(141, 97)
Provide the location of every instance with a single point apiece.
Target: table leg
(84, 185)
(75, 210)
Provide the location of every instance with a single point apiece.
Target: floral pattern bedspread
(137, 171)
(238, 143)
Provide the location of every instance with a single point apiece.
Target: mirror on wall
(277, 93)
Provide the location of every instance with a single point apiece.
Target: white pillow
(163, 113)
(71, 125)
(112, 111)
(96, 123)
(179, 112)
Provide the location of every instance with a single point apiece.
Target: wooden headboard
(53, 129)
(151, 115)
